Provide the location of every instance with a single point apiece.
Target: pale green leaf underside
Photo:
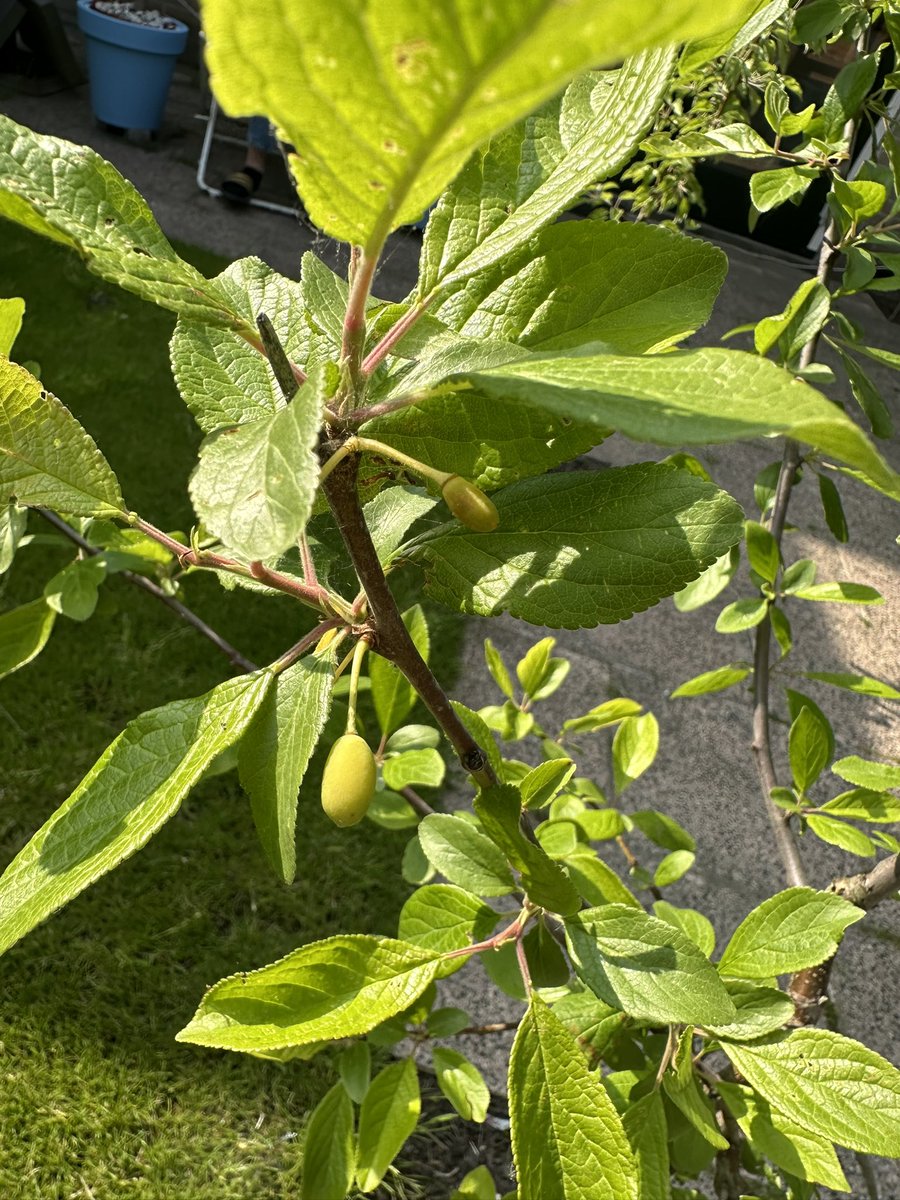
(635, 288)
(340, 987)
(135, 786)
(465, 856)
(254, 485)
(688, 397)
(795, 929)
(222, 379)
(23, 634)
(72, 195)
(585, 548)
(275, 752)
(568, 1140)
(430, 83)
(827, 1083)
(46, 457)
(787, 1144)
(645, 967)
(531, 173)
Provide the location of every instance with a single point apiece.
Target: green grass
(97, 1100)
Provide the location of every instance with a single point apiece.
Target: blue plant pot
(129, 67)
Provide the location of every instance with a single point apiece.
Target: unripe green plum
(348, 781)
(470, 505)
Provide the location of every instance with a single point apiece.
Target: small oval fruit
(470, 505)
(348, 781)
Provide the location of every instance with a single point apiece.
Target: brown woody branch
(391, 637)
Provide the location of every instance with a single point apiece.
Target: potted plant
(131, 56)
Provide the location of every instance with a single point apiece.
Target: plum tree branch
(392, 638)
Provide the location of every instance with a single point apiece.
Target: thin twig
(762, 747)
(147, 585)
(422, 807)
(495, 1027)
(397, 331)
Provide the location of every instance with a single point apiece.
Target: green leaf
(430, 87)
(803, 317)
(833, 509)
(672, 867)
(543, 782)
(13, 524)
(712, 681)
(864, 805)
(580, 549)
(762, 551)
(788, 1145)
(599, 824)
(737, 138)
(340, 987)
(222, 378)
(389, 1114)
(797, 701)
(761, 1010)
(465, 856)
(635, 288)
(692, 923)
(531, 669)
(440, 917)
(478, 1184)
(389, 516)
(275, 752)
(593, 1023)
(710, 583)
(447, 1022)
(328, 1150)
(462, 1083)
(867, 774)
(391, 811)
(863, 685)
(868, 397)
(827, 1084)
(634, 748)
(663, 830)
(815, 21)
(610, 712)
(597, 882)
(674, 398)
(392, 694)
(568, 1141)
(769, 189)
(860, 198)
(254, 485)
(808, 745)
(680, 1085)
(71, 195)
(547, 964)
(23, 634)
(489, 441)
(839, 592)
(742, 615)
(497, 668)
(355, 1067)
(74, 591)
(645, 967)
(526, 177)
(135, 786)
(644, 1122)
(414, 768)
(11, 313)
(546, 884)
(46, 458)
(790, 931)
(848, 837)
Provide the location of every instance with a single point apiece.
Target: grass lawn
(97, 1100)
